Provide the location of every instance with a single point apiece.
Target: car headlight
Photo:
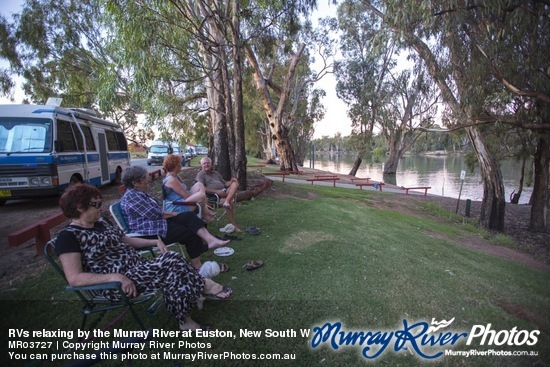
(46, 181)
(34, 181)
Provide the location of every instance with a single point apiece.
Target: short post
(462, 176)
(468, 207)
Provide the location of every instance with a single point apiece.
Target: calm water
(442, 173)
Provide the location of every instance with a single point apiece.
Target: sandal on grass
(228, 228)
(253, 230)
(220, 295)
(223, 267)
(253, 264)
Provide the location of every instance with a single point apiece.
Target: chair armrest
(185, 203)
(96, 287)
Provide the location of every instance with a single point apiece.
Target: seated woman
(145, 216)
(175, 190)
(93, 251)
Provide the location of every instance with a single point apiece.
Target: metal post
(462, 177)
(312, 160)
(468, 207)
(459, 193)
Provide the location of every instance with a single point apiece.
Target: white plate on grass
(224, 251)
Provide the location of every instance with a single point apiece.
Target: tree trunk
(284, 150)
(229, 118)
(356, 163)
(271, 149)
(239, 164)
(390, 165)
(514, 196)
(274, 113)
(494, 203)
(541, 194)
(216, 101)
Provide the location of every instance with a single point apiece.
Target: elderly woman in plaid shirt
(145, 216)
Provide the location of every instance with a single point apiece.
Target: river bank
(528, 247)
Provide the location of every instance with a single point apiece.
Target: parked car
(202, 150)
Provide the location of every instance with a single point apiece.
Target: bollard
(468, 207)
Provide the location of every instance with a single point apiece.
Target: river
(442, 173)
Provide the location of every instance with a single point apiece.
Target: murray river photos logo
(428, 341)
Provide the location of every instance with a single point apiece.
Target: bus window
(90, 146)
(122, 143)
(111, 141)
(65, 136)
(116, 141)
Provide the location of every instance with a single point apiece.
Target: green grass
(332, 255)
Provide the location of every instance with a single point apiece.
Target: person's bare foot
(216, 242)
(216, 291)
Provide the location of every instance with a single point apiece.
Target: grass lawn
(332, 255)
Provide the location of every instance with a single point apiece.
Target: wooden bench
(360, 179)
(260, 167)
(325, 178)
(154, 174)
(373, 184)
(425, 188)
(284, 173)
(39, 230)
(280, 173)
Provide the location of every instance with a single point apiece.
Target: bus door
(103, 157)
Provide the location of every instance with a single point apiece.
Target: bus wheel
(2, 201)
(74, 180)
(118, 176)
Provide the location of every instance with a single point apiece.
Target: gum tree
(368, 56)
(482, 56)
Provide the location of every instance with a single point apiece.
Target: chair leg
(136, 317)
(83, 324)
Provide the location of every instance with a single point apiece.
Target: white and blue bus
(44, 149)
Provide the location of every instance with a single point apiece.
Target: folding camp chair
(215, 205)
(181, 202)
(118, 216)
(90, 295)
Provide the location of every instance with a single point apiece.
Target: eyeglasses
(95, 204)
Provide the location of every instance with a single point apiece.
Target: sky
(335, 120)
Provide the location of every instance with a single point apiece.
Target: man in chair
(215, 184)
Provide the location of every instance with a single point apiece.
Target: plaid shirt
(143, 213)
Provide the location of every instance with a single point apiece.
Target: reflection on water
(442, 173)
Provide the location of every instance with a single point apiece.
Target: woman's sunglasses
(95, 204)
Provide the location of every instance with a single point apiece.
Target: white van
(157, 152)
(160, 149)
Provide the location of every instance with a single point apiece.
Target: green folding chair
(90, 295)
